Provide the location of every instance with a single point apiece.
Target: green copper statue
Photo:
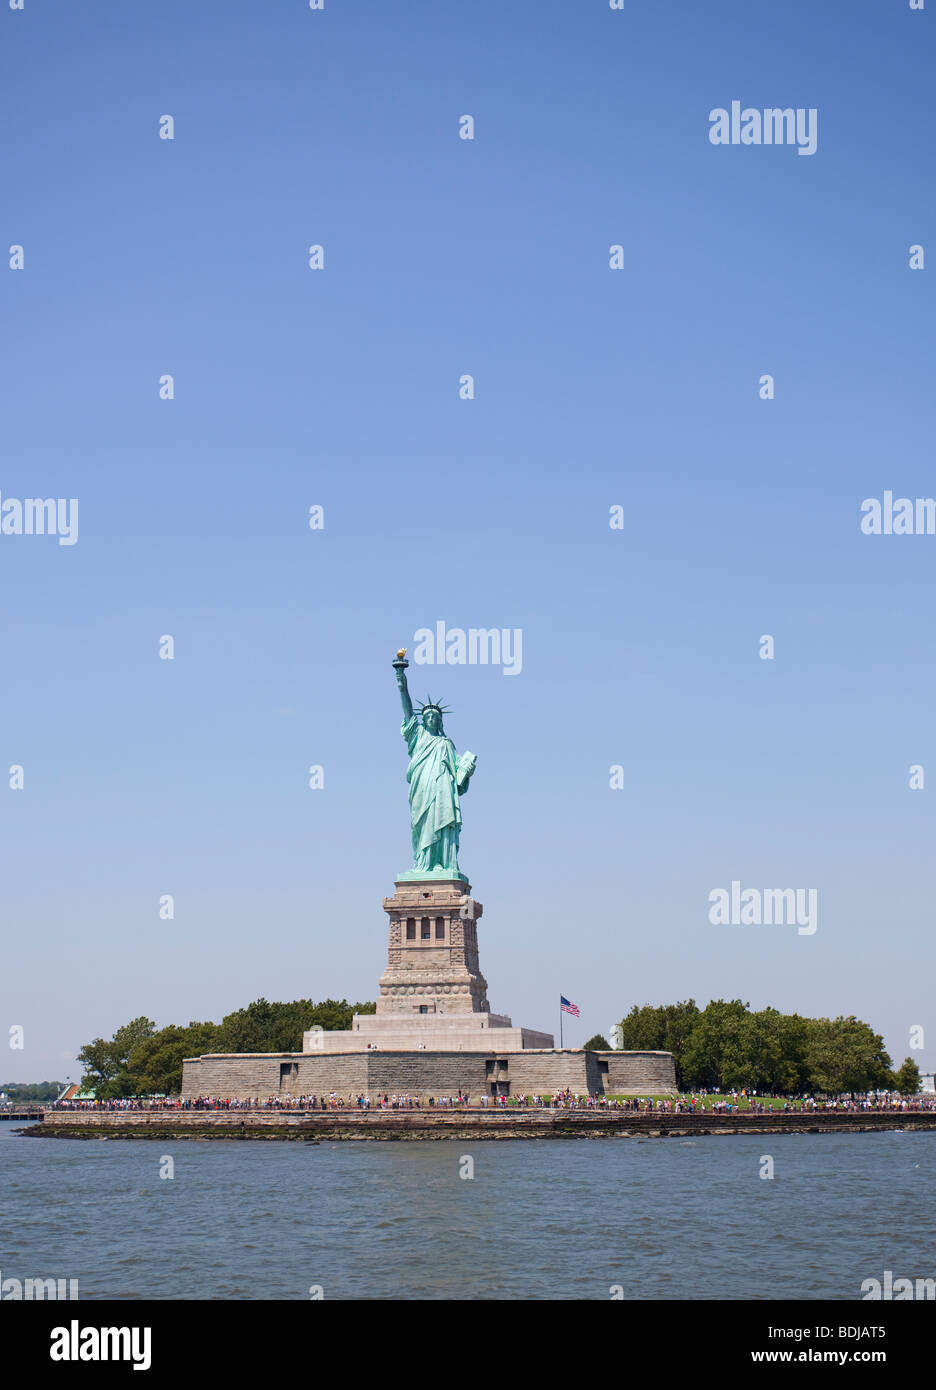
(437, 777)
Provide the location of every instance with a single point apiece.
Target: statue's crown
(432, 704)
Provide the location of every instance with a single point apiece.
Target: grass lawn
(707, 1102)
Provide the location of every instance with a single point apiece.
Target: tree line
(24, 1091)
(723, 1047)
(727, 1046)
(143, 1060)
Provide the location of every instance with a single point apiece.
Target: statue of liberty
(437, 777)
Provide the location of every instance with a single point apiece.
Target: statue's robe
(434, 775)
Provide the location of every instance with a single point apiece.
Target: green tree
(845, 1055)
(765, 1052)
(726, 1046)
(156, 1062)
(660, 1028)
(643, 1029)
(266, 1027)
(31, 1090)
(714, 1055)
(791, 1074)
(680, 1020)
(907, 1077)
(106, 1062)
(598, 1044)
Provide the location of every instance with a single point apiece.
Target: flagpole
(560, 1025)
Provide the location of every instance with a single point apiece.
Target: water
(566, 1219)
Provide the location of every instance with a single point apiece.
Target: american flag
(567, 1008)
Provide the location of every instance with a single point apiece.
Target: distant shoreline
(464, 1125)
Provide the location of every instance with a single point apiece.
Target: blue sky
(339, 387)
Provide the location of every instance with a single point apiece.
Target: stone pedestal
(432, 964)
(433, 996)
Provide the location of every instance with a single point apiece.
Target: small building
(73, 1091)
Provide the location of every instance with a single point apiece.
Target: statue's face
(432, 720)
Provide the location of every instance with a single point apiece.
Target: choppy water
(568, 1219)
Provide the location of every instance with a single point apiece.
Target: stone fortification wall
(243, 1076)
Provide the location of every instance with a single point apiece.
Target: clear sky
(637, 387)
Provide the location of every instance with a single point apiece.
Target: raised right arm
(404, 693)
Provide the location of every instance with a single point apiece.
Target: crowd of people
(701, 1102)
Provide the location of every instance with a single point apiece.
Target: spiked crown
(432, 704)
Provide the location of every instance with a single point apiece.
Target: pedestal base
(439, 1033)
(432, 960)
(433, 996)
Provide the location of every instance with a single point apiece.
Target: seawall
(465, 1126)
